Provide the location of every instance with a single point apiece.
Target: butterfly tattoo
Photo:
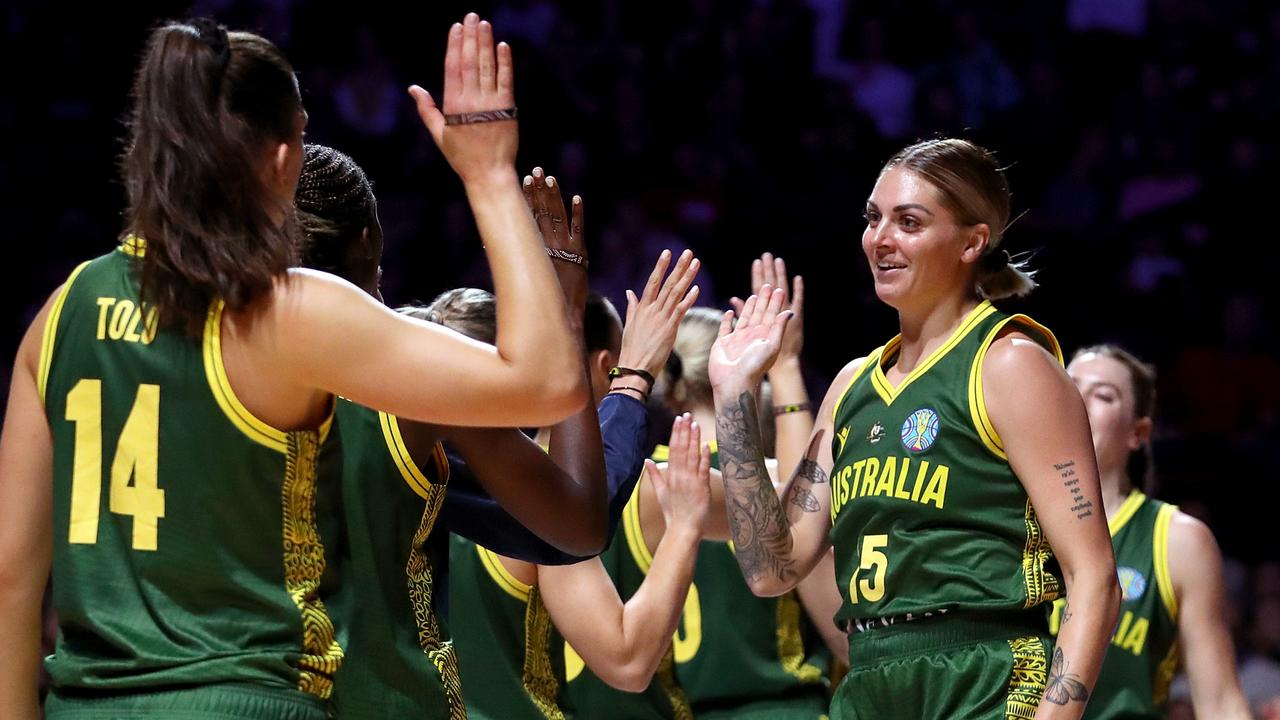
(1063, 687)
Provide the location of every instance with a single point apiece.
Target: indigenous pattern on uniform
(931, 526)
(507, 646)
(399, 661)
(1143, 654)
(186, 545)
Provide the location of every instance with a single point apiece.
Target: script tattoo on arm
(1082, 507)
(761, 533)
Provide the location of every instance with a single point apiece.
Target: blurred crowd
(1135, 132)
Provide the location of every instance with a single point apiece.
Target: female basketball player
(955, 453)
(735, 655)
(198, 370)
(1168, 562)
(398, 661)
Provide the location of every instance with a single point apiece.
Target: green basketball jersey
(505, 639)
(1143, 654)
(926, 514)
(732, 650)
(587, 696)
(186, 545)
(399, 662)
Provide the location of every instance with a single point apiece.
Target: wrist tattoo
(1064, 687)
(800, 494)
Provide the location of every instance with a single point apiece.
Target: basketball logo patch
(1132, 583)
(920, 430)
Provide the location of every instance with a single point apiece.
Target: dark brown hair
(972, 185)
(207, 105)
(1142, 380)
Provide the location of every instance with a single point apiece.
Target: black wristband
(643, 396)
(618, 372)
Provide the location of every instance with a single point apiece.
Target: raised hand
(772, 271)
(683, 489)
(742, 353)
(561, 235)
(475, 127)
(654, 317)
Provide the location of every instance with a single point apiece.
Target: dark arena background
(1139, 136)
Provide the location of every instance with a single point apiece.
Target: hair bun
(996, 260)
(674, 367)
(215, 36)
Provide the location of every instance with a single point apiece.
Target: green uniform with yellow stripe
(943, 567)
(399, 662)
(188, 560)
(508, 650)
(736, 655)
(1143, 654)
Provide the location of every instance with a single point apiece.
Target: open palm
(742, 353)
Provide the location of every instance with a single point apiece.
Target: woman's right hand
(476, 79)
(654, 317)
(560, 234)
(772, 271)
(743, 352)
(683, 489)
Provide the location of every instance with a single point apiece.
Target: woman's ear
(975, 243)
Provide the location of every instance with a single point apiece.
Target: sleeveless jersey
(399, 661)
(927, 515)
(505, 639)
(1143, 654)
(731, 648)
(186, 545)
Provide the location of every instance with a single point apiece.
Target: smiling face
(919, 253)
(1106, 385)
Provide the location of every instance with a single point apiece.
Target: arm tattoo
(800, 494)
(1063, 687)
(1082, 508)
(1066, 613)
(761, 533)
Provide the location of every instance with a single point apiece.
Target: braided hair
(335, 204)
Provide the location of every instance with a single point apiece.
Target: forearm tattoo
(1064, 687)
(1082, 507)
(800, 494)
(761, 533)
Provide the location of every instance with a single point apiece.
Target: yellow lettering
(135, 320)
(900, 492)
(937, 490)
(869, 477)
(104, 304)
(153, 324)
(119, 319)
(920, 476)
(1055, 616)
(857, 474)
(885, 486)
(573, 663)
(845, 474)
(1137, 637)
(1123, 630)
(688, 637)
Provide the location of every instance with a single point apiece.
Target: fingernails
(577, 200)
(471, 19)
(528, 181)
(551, 181)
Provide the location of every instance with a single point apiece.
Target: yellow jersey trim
(872, 357)
(509, 583)
(1028, 678)
(634, 532)
(50, 332)
(253, 428)
(409, 470)
(1126, 512)
(880, 382)
(134, 246)
(977, 400)
(1160, 550)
